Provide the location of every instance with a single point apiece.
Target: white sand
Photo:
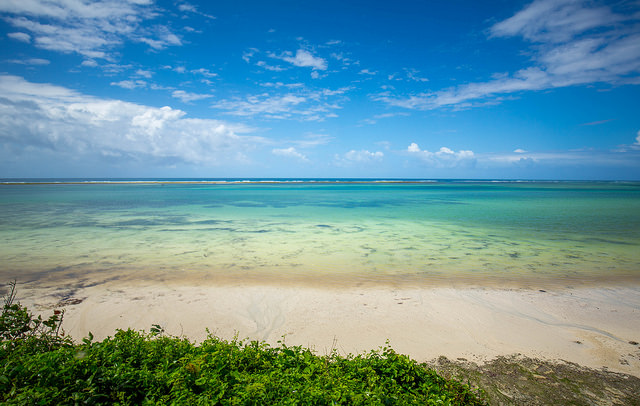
(587, 325)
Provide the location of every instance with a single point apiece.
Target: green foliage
(151, 369)
(21, 330)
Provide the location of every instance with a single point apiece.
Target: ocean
(337, 231)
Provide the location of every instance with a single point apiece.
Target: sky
(495, 89)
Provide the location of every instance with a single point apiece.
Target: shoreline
(593, 326)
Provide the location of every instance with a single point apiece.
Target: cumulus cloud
(304, 59)
(573, 42)
(144, 73)
(443, 158)
(44, 117)
(89, 28)
(638, 138)
(289, 152)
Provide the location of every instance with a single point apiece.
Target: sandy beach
(596, 327)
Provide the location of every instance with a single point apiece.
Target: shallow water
(369, 231)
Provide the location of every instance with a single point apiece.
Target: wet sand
(596, 327)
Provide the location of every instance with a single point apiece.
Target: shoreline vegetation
(40, 365)
(497, 380)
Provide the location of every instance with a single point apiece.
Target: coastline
(593, 326)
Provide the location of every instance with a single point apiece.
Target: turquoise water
(369, 231)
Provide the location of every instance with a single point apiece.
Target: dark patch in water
(158, 221)
(207, 222)
(137, 222)
(248, 204)
(514, 255)
(323, 225)
(609, 241)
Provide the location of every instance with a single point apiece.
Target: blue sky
(548, 89)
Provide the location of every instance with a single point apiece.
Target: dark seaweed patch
(248, 204)
(610, 241)
(207, 222)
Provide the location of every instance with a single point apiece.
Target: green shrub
(38, 366)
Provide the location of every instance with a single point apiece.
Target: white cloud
(30, 61)
(555, 21)
(359, 157)
(20, 36)
(413, 74)
(204, 72)
(289, 152)
(304, 59)
(187, 97)
(341, 90)
(599, 122)
(377, 117)
(89, 28)
(413, 147)
(187, 7)
(519, 151)
(248, 54)
(443, 158)
(261, 104)
(638, 138)
(272, 68)
(44, 117)
(303, 105)
(313, 140)
(144, 73)
(367, 72)
(161, 39)
(281, 84)
(575, 158)
(130, 84)
(90, 63)
(190, 8)
(573, 43)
